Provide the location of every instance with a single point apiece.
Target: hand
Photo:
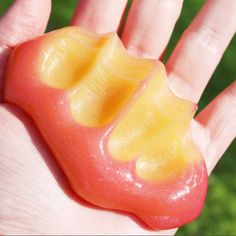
(35, 196)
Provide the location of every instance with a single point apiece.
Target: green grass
(219, 214)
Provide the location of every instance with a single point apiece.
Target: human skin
(27, 167)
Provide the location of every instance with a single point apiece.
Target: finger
(201, 48)
(21, 22)
(149, 26)
(219, 121)
(24, 20)
(101, 17)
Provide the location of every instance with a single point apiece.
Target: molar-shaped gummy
(153, 131)
(118, 132)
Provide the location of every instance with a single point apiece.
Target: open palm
(35, 196)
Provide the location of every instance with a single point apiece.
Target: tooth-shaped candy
(118, 132)
(155, 130)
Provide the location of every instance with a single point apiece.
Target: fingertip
(219, 119)
(24, 20)
(201, 47)
(149, 26)
(100, 17)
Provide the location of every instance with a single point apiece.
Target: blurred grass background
(219, 214)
